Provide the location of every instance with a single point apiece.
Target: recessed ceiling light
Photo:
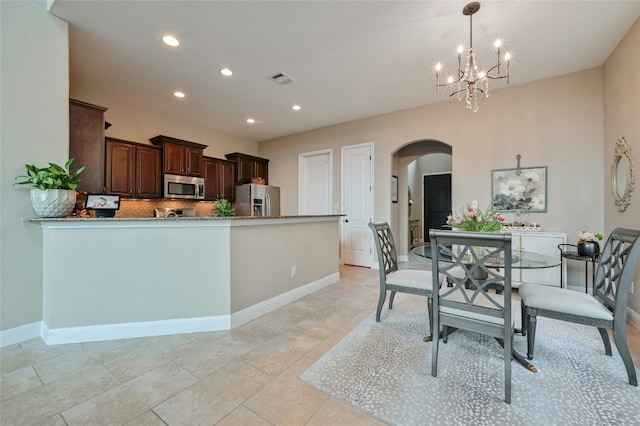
(179, 94)
(226, 72)
(296, 107)
(251, 120)
(171, 41)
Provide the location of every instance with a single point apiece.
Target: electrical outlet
(294, 271)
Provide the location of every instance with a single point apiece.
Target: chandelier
(471, 82)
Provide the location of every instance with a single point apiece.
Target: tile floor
(245, 376)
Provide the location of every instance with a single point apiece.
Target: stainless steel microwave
(190, 187)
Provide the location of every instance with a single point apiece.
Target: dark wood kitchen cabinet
(86, 144)
(180, 157)
(132, 169)
(219, 179)
(249, 167)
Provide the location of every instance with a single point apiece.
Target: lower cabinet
(219, 179)
(543, 243)
(132, 169)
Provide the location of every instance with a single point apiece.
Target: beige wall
(554, 123)
(621, 118)
(34, 111)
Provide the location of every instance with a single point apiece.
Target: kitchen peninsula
(112, 278)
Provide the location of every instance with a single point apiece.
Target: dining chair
(392, 279)
(605, 309)
(469, 301)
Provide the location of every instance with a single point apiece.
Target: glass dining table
(520, 259)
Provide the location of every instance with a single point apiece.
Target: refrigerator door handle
(268, 207)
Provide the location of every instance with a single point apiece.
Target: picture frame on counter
(102, 202)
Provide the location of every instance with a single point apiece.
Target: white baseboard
(269, 305)
(20, 334)
(130, 330)
(633, 317)
(94, 333)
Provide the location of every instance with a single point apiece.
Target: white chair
(605, 309)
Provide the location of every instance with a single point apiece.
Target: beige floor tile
(56, 420)
(154, 352)
(18, 382)
(287, 400)
(213, 397)
(46, 401)
(129, 400)
(34, 353)
(243, 416)
(208, 358)
(280, 353)
(148, 418)
(334, 412)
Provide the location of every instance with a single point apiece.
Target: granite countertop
(140, 219)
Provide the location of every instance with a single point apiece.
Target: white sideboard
(538, 242)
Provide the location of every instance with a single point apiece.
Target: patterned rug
(384, 369)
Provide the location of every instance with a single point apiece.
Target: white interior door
(314, 184)
(357, 200)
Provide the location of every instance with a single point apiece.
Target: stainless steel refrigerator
(257, 200)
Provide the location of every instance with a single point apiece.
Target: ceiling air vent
(281, 78)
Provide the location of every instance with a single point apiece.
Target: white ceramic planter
(53, 202)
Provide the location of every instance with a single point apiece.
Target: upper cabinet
(86, 144)
(249, 167)
(180, 157)
(133, 169)
(219, 179)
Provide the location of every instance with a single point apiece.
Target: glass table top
(519, 259)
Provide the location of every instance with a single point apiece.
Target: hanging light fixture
(470, 81)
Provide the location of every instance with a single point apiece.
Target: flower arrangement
(590, 236)
(474, 219)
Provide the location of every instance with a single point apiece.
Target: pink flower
(471, 214)
(449, 219)
(459, 222)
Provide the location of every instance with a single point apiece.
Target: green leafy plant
(51, 177)
(223, 208)
(471, 219)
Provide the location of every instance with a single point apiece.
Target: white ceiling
(349, 59)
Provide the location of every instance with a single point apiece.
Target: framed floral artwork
(522, 188)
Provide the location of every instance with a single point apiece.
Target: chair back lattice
(616, 269)
(385, 247)
(454, 251)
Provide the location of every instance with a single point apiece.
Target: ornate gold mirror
(622, 175)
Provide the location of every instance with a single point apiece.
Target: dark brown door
(194, 161)
(437, 201)
(174, 159)
(120, 168)
(227, 180)
(211, 178)
(148, 172)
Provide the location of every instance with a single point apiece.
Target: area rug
(384, 369)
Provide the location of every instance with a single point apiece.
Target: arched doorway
(413, 163)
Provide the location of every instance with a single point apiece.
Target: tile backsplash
(145, 208)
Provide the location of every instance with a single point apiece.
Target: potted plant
(53, 193)
(588, 243)
(223, 208)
